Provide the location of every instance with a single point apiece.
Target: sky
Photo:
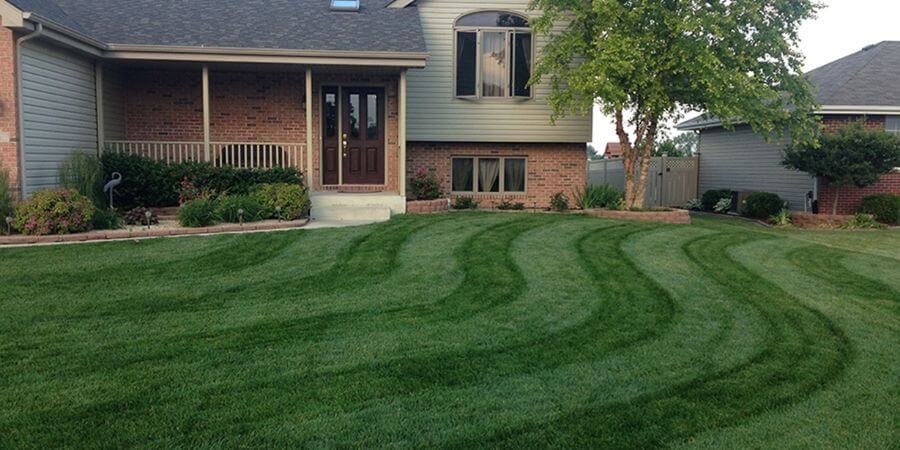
(841, 27)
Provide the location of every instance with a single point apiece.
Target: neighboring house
(356, 94)
(865, 84)
(613, 150)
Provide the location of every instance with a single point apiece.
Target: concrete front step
(370, 207)
(351, 213)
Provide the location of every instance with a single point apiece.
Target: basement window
(345, 5)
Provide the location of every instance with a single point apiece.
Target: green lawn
(459, 330)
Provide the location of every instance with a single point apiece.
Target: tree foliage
(852, 156)
(643, 61)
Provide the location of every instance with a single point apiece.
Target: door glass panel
(330, 114)
(354, 115)
(371, 116)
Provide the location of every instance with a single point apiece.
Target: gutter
(861, 110)
(38, 32)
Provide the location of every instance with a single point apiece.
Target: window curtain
(488, 175)
(514, 175)
(493, 63)
(462, 174)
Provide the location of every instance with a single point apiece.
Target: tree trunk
(645, 150)
(837, 193)
(628, 158)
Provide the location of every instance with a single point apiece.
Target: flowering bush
(57, 211)
(425, 186)
(188, 191)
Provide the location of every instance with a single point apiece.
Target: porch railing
(245, 155)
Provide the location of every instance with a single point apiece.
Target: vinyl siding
(59, 111)
(435, 115)
(113, 104)
(741, 160)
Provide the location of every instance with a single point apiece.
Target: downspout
(38, 31)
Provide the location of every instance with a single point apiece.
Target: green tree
(667, 147)
(852, 156)
(592, 153)
(643, 61)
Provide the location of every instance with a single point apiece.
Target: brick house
(262, 83)
(862, 86)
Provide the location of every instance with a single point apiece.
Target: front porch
(343, 127)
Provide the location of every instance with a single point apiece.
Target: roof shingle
(252, 24)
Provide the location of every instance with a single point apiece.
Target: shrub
(6, 198)
(861, 220)
(138, 216)
(692, 205)
(762, 205)
(188, 191)
(711, 197)
(54, 211)
(781, 219)
(598, 196)
(559, 202)
(240, 208)
(83, 172)
(425, 185)
(198, 213)
(282, 200)
(106, 219)
(884, 207)
(465, 203)
(145, 182)
(150, 183)
(506, 205)
(723, 206)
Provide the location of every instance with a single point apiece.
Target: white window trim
(479, 89)
(502, 181)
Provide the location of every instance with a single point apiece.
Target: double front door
(353, 135)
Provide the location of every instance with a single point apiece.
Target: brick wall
(163, 105)
(849, 197)
(9, 150)
(550, 168)
(244, 107)
(834, 122)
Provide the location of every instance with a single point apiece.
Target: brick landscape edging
(141, 233)
(427, 206)
(675, 216)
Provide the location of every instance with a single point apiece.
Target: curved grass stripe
(803, 352)
(825, 264)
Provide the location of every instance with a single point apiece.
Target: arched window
(493, 55)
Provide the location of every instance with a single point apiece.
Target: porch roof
(266, 25)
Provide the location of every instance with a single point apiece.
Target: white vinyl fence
(670, 182)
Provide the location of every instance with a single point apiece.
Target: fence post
(605, 171)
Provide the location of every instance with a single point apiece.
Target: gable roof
(869, 77)
(248, 24)
(867, 81)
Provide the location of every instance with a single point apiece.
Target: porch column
(402, 132)
(206, 113)
(309, 130)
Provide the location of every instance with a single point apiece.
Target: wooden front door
(363, 135)
(353, 135)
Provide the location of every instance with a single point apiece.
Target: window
(345, 5)
(892, 124)
(493, 56)
(488, 175)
